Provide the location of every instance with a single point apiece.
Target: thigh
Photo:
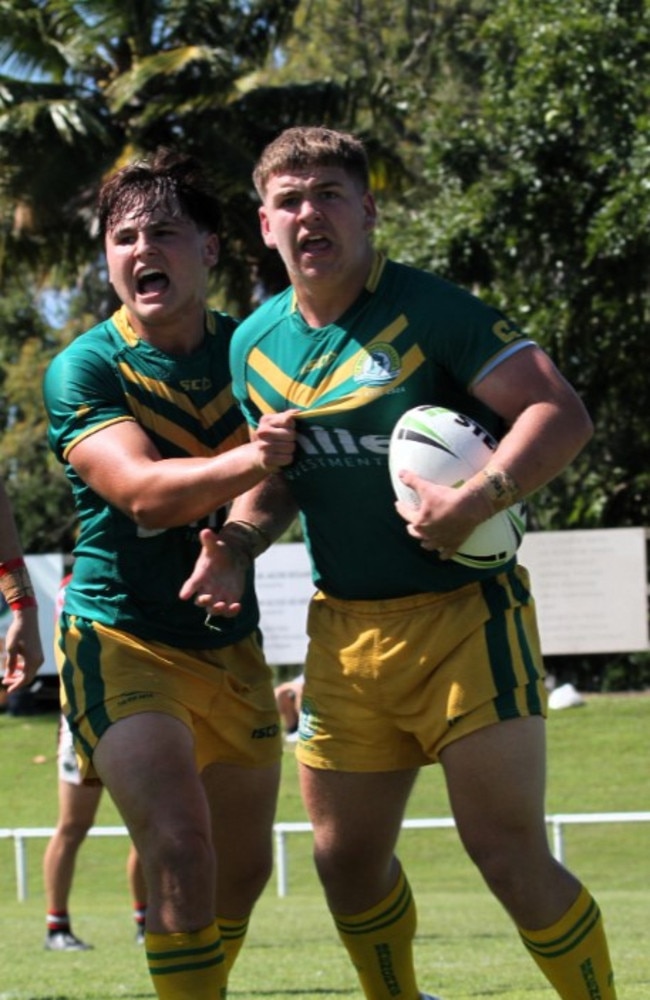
(496, 783)
(357, 819)
(146, 761)
(348, 806)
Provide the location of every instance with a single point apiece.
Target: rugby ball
(448, 448)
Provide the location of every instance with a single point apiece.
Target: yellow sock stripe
(392, 910)
(566, 942)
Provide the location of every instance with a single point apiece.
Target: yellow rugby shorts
(389, 683)
(225, 696)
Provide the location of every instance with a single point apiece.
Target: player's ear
(269, 240)
(211, 249)
(370, 212)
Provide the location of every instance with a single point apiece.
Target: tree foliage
(534, 191)
(87, 86)
(508, 141)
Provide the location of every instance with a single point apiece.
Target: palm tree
(87, 85)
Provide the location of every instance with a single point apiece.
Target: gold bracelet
(500, 488)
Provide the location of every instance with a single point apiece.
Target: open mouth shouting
(151, 281)
(315, 243)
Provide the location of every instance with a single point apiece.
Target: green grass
(466, 949)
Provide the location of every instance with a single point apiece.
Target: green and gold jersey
(125, 576)
(410, 339)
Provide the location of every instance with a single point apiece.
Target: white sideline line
(557, 821)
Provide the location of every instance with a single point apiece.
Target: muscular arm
(548, 422)
(548, 427)
(122, 465)
(270, 507)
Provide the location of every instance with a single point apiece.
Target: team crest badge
(378, 365)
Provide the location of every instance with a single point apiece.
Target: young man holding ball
(413, 659)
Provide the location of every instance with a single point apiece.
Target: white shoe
(428, 996)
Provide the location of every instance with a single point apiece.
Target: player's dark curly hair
(174, 181)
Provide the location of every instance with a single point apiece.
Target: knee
(240, 882)
(512, 869)
(336, 860)
(350, 863)
(496, 866)
(73, 832)
(180, 852)
(255, 877)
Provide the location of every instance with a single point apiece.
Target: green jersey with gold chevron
(125, 576)
(410, 339)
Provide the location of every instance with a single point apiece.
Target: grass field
(466, 949)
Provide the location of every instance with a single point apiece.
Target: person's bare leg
(147, 763)
(496, 780)
(77, 810)
(138, 890)
(243, 803)
(357, 819)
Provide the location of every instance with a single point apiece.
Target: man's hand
(24, 653)
(444, 516)
(218, 579)
(275, 437)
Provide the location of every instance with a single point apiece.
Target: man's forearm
(260, 516)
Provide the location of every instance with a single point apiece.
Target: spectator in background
(78, 804)
(23, 652)
(288, 697)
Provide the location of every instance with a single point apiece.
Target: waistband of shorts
(413, 602)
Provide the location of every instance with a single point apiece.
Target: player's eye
(123, 238)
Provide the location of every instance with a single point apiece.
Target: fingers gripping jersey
(410, 339)
(125, 576)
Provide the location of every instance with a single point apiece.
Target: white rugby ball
(448, 448)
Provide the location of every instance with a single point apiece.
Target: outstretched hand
(218, 579)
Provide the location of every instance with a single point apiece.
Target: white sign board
(591, 589)
(284, 587)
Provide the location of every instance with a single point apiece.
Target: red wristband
(23, 602)
(10, 565)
